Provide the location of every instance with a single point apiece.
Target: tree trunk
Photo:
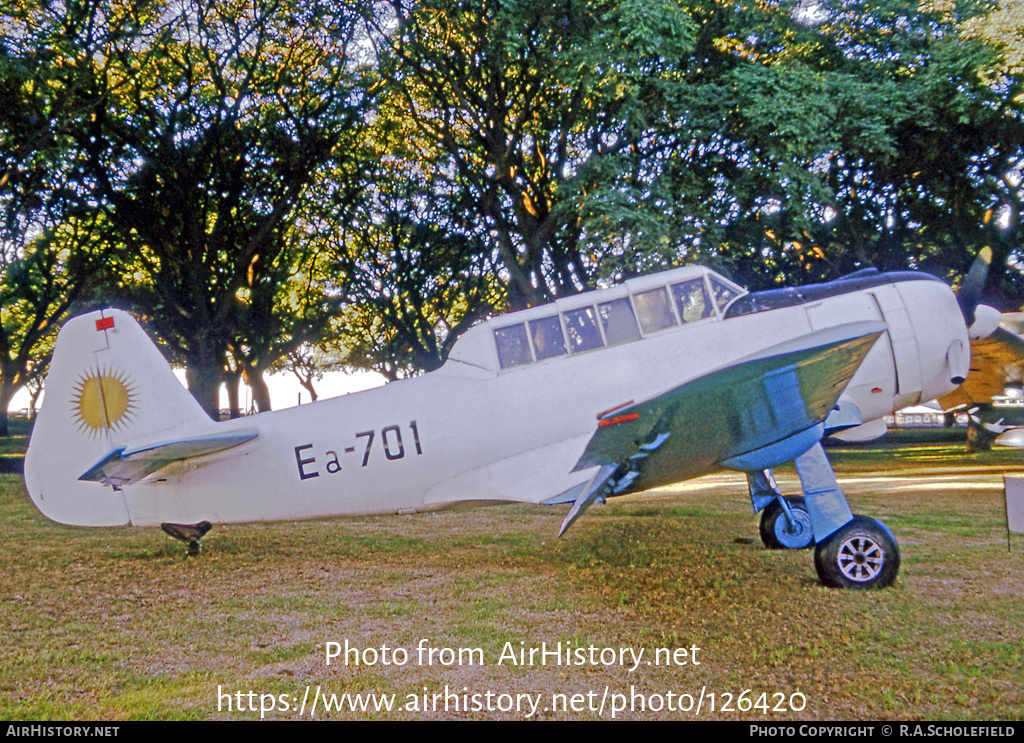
(260, 391)
(6, 393)
(308, 385)
(204, 384)
(231, 382)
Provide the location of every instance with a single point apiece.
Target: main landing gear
(862, 554)
(856, 552)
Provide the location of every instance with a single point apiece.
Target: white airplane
(662, 378)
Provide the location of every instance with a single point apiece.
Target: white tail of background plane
(108, 388)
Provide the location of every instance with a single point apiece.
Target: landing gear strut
(850, 551)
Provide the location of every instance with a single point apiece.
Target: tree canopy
(257, 177)
(199, 127)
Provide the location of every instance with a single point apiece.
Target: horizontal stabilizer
(128, 466)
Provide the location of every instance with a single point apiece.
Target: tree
(286, 309)
(203, 125)
(501, 154)
(309, 363)
(49, 246)
(411, 273)
(872, 134)
(780, 142)
(514, 104)
(40, 282)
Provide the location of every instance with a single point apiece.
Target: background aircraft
(659, 379)
(991, 394)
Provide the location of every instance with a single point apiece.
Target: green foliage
(596, 140)
(267, 177)
(517, 106)
(412, 276)
(199, 127)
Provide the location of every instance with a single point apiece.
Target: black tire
(862, 555)
(776, 531)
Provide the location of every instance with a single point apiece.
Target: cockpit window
(513, 347)
(581, 327)
(548, 340)
(653, 310)
(692, 300)
(618, 321)
(640, 308)
(722, 292)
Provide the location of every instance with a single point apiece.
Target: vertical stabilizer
(108, 387)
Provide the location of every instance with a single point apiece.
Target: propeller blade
(974, 284)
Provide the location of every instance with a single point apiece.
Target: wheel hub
(794, 532)
(860, 558)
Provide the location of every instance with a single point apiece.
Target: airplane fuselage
(511, 411)
(475, 432)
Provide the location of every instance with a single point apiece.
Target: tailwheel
(792, 532)
(188, 533)
(862, 554)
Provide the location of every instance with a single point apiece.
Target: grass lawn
(119, 624)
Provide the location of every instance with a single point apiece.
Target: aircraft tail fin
(108, 387)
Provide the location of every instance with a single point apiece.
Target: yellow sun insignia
(103, 401)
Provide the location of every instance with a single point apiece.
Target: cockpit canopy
(636, 309)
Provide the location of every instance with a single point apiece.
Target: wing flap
(124, 466)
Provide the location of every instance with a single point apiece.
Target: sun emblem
(103, 401)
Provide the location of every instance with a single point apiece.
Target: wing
(997, 361)
(122, 466)
(754, 414)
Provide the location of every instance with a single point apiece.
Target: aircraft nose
(943, 322)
